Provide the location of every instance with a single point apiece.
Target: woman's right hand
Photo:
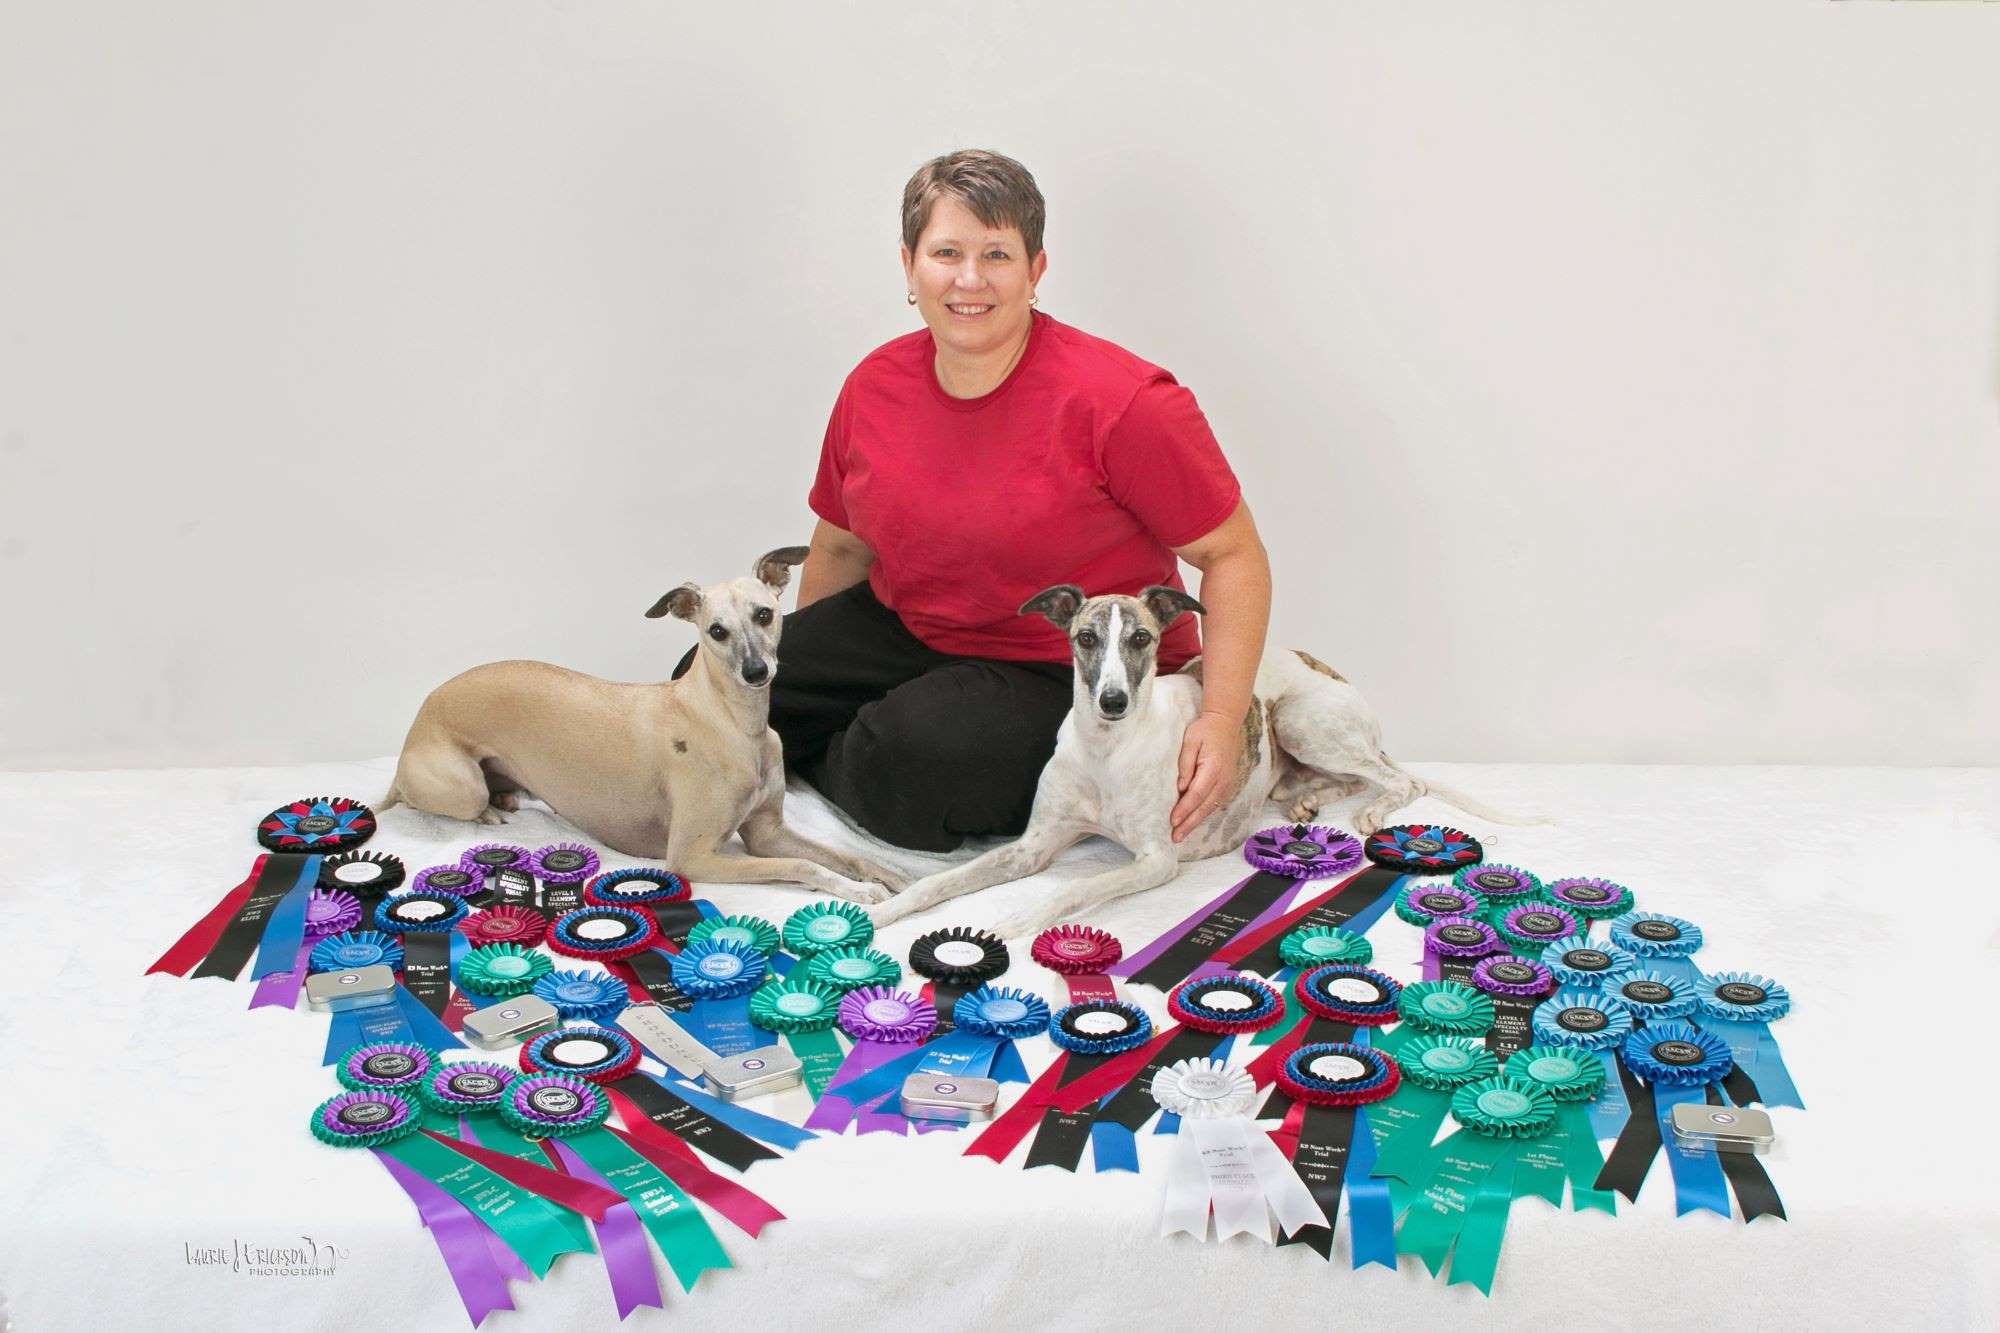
(837, 559)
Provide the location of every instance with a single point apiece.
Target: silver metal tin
(949, 1097)
(666, 1041)
(510, 1022)
(355, 988)
(1723, 1128)
(754, 1073)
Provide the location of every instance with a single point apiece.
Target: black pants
(920, 747)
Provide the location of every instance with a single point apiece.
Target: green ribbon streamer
(1583, 1160)
(1541, 1168)
(668, 1215)
(490, 1131)
(1478, 1251)
(532, 1228)
(1457, 1169)
(819, 1058)
(1295, 1013)
(1404, 1127)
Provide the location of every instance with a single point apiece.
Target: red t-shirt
(1084, 466)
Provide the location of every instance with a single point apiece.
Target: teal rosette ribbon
(1434, 1066)
(802, 1012)
(752, 932)
(848, 969)
(1445, 1007)
(1569, 1155)
(1739, 1007)
(817, 927)
(502, 971)
(1302, 950)
(1652, 996)
(1581, 962)
(1471, 1180)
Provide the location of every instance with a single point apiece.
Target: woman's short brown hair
(997, 189)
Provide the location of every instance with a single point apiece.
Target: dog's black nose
(756, 672)
(1113, 702)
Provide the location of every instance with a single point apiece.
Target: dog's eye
(1086, 639)
(762, 615)
(718, 633)
(1141, 639)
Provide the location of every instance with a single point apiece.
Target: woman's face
(972, 282)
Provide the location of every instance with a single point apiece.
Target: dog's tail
(1472, 805)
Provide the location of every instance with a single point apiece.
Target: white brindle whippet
(1308, 739)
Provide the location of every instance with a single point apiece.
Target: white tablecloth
(144, 1118)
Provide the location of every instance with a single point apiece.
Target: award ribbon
(1533, 927)
(569, 1115)
(1470, 1179)
(1284, 857)
(885, 1026)
(802, 1013)
(1356, 903)
(1421, 902)
(1454, 944)
(1498, 886)
(1569, 1153)
(820, 926)
(1662, 942)
(1589, 899)
(1589, 1021)
(1424, 849)
(956, 961)
(1329, 1082)
(1337, 998)
(609, 1059)
(386, 1122)
(1222, 1164)
(1081, 956)
(1516, 986)
(1301, 950)
(404, 1018)
(424, 918)
(1739, 1007)
(1578, 964)
(328, 912)
(1088, 1035)
(582, 997)
(1433, 1067)
(1205, 1009)
(1664, 1065)
(659, 894)
(561, 869)
(718, 974)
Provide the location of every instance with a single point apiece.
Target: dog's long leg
(720, 868)
(1016, 860)
(1148, 870)
(765, 834)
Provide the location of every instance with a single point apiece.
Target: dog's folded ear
(1168, 604)
(775, 567)
(684, 601)
(1059, 604)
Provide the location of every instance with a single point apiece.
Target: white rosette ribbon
(1222, 1161)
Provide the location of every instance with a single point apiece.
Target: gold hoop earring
(910, 297)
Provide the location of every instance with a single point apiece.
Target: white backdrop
(1612, 382)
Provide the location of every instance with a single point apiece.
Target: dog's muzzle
(1113, 703)
(756, 672)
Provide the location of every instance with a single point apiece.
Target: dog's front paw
(893, 880)
(1303, 811)
(894, 910)
(491, 816)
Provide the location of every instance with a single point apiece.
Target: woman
(965, 468)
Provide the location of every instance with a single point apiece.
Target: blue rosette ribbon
(1652, 996)
(1590, 1021)
(403, 1019)
(1740, 1007)
(1666, 1065)
(586, 997)
(1664, 943)
(718, 974)
(1580, 963)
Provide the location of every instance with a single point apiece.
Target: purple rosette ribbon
(1452, 944)
(886, 1026)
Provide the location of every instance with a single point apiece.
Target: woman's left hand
(1210, 748)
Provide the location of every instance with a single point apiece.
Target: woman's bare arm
(837, 559)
